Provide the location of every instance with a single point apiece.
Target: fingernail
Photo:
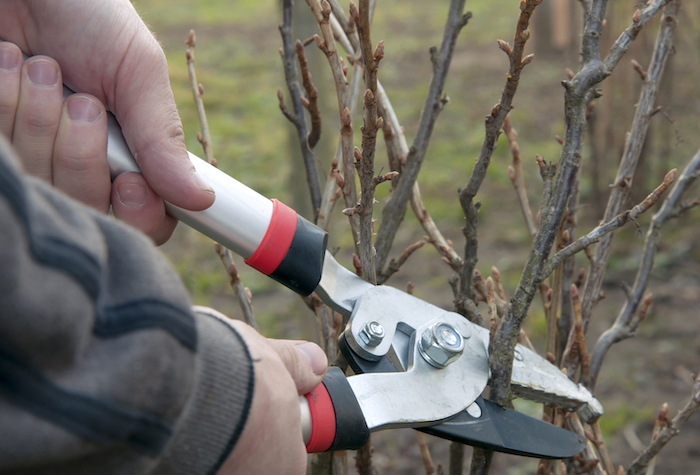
(201, 182)
(83, 109)
(131, 195)
(315, 355)
(42, 72)
(9, 59)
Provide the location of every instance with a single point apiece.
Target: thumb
(144, 105)
(306, 362)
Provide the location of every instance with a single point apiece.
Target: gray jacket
(104, 367)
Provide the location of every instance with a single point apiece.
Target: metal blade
(538, 380)
(489, 426)
(339, 288)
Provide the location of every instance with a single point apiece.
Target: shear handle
(331, 416)
(269, 235)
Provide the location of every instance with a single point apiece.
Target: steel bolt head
(441, 345)
(372, 333)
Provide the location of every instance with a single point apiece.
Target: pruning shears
(415, 364)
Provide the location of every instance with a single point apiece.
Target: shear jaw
(389, 323)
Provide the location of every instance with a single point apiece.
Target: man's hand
(103, 49)
(271, 441)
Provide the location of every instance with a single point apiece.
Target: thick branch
(577, 96)
(625, 324)
(395, 208)
(633, 147)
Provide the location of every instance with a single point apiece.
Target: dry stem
(289, 55)
(626, 324)
(395, 207)
(579, 91)
(633, 147)
(197, 91)
(493, 125)
(667, 433)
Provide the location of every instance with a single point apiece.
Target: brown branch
(311, 100)
(515, 172)
(633, 147)
(242, 294)
(425, 453)
(322, 12)
(289, 55)
(493, 125)
(668, 432)
(395, 264)
(617, 222)
(626, 323)
(395, 207)
(579, 92)
(397, 150)
(602, 448)
(197, 91)
(589, 457)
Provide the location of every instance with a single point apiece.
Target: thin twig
(197, 91)
(633, 147)
(289, 55)
(625, 324)
(311, 99)
(493, 125)
(322, 13)
(395, 207)
(515, 172)
(617, 222)
(667, 433)
(425, 453)
(242, 294)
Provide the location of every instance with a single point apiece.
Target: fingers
(38, 115)
(80, 152)
(145, 108)
(306, 362)
(135, 202)
(10, 73)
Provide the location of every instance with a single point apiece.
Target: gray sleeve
(104, 367)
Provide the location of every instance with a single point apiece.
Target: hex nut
(372, 333)
(441, 345)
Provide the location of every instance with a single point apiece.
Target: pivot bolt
(372, 333)
(441, 345)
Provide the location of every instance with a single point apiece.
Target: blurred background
(238, 63)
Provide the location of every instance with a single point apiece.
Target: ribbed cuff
(218, 408)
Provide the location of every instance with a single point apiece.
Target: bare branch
(242, 294)
(322, 12)
(493, 125)
(617, 222)
(197, 91)
(395, 208)
(577, 96)
(626, 324)
(290, 74)
(516, 176)
(633, 147)
(668, 432)
(311, 103)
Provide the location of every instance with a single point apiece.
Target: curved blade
(505, 430)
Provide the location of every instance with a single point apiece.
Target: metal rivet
(518, 356)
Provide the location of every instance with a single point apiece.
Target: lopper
(415, 364)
